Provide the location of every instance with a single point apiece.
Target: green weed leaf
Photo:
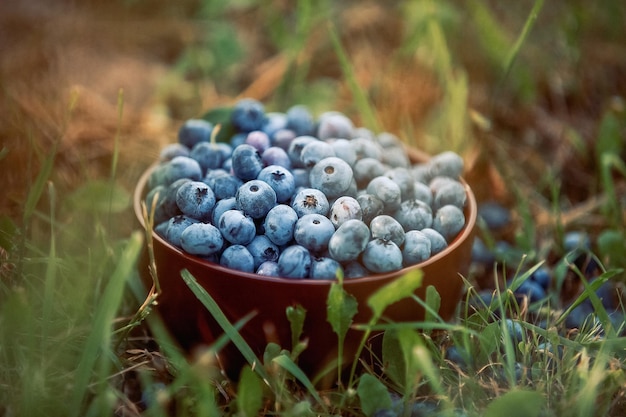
(395, 291)
(249, 393)
(516, 403)
(289, 365)
(373, 394)
(296, 315)
(341, 309)
(433, 301)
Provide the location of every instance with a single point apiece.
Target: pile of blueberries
(289, 195)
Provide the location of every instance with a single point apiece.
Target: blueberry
(195, 199)
(248, 115)
(447, 164)
(301, 177)
(344, 150)
(458, 356)
(354, 269)
(295, 149)
(268, 269)
(449, 220)
(175, 227)
(576, 240)
(367, 148)
(300, 120)
(294, 262)
(236, 227)
(494, 215)
(313, 231)
(366, 169)
(450, 192)
(437, 241)
(532, 290)
(237, 257)
(332, 176)
(279, 224)
(170, 207)
(382, 255)
(343, 209)
(281, 180)
(416, 248)
(262, 249)
(275, 122)
(349, 241)
(208, 155)
(222, 183)
(282, 138)
(334, 125)
(238, 139)
(395, 156)
(325, 268)
(173, 150)
(315, 151)
(258, 140)
(220, 207)
(158, 192)
(255, 198)
(542, 276)
(387, 228)
(514, 330)
(276, 156)
(194, 131)
(246, 162)
(310, 200)
(402, 176)
(181, 167)
(421, 172)
(414, 215)
(202, 239)
(481, 253)
(388, 191)
(422, 192)
(371, 206)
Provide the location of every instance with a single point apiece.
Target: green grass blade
(224, 323)
(104, 315)
(289, 365)
(528, 25)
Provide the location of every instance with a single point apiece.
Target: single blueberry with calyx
(255, 198)
(416, 248)
(248, 115)
(237, 257)
(325, 268)
(313, 231)
(449, 220)
(381, 255)
(294, 262)
(201, 239)
(387, 228)
(246, 162)
(279, 224)
(343, 209)
(262, 250)
(281, 180)
(194, 131)
(349, 241)
(332, 175)
(236, 227)
(196, 199)
(414, 215)
(310, 200)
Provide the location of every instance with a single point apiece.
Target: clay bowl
(238, 294)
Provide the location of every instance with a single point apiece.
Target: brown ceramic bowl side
(238, 294)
